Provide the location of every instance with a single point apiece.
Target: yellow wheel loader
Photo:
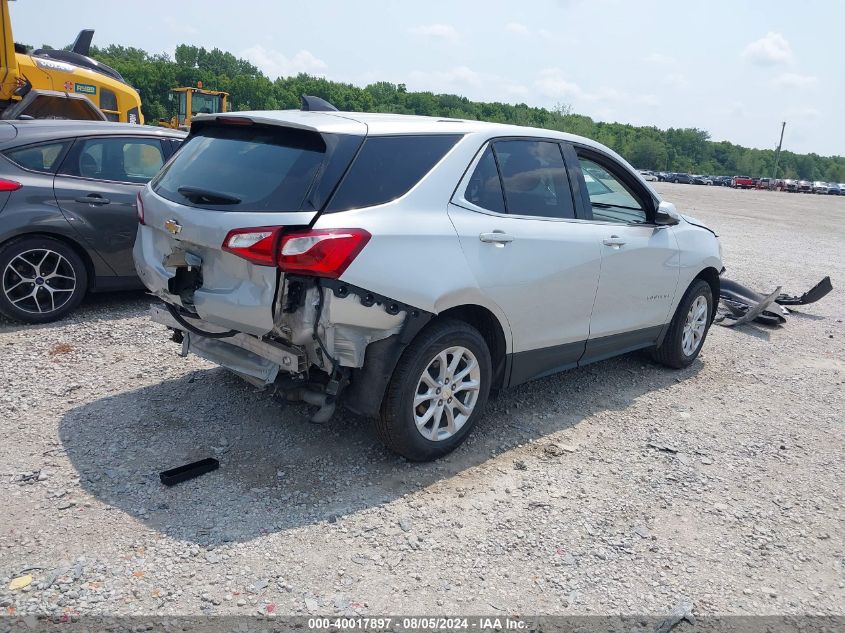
(47, 83)
(193, 101)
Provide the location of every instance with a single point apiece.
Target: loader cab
(193, 101)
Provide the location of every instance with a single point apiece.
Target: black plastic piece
(188, 471)
(811, 296)
(316, 104)
(82, 43)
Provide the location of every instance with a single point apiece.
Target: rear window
(387, 167)
(38, 157)
(249, 168)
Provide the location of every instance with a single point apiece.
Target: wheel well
(711, 276)
(77, 248)
(488, 325)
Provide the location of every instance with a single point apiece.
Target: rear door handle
(496, 237)
(93, 198)
(614, 241)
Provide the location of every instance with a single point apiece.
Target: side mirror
(666, 215)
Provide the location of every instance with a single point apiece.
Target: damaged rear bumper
(256, 359)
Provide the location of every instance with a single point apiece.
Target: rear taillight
(321, 252)
(139, 208)
(9, 185)
(256, 244)
(318, 252)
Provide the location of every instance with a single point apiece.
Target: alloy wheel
(695, 326)
(39, 281)
(446, 393)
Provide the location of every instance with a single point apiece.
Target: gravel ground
(621, 488)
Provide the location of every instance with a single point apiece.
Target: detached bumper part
(745, 305)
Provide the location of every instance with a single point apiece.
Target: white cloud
(457, 76)
(462, 79)
(517, 27)
(770, 50)
(445, 32)
(659, 58)
(805, 113)
(675, 80)
(180, 26)
(794, 80)
(276, 64)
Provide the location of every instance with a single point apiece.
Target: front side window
(534, 178)
(133, 160)
(387, 167)
(42, 158)
(610, 199)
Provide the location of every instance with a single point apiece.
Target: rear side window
(43, 158)
(485, 189)
(243, 168)
(534, 179)
(387, 167)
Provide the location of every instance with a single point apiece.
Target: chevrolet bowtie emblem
(173, 226)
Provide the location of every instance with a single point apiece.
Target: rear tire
(421, 418)
(687, 330)
(41, 279)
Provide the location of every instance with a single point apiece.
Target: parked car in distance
(701, 180)
(742, 182)
(680, 178)
(840, 188)
(721, 181)
(805, 186)
(67, 210)
(647, 175)
(765, 183)
(296, 249)
(820, 187)
(790, 185)
(663, 176)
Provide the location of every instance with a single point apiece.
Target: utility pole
(777, 152)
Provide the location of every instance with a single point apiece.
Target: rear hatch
(235, 182)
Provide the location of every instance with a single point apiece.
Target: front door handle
(93, 198)
(614, 241)
(496, 237)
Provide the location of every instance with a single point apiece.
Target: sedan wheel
(41, 279)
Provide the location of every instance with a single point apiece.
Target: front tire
(437, 392)
(688, 328)
(41, 279)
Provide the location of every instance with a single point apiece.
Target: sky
(735, 69)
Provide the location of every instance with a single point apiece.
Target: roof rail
(316, 104)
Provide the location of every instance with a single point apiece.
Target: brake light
(321, 252)
(139, 208)
(9, 185)
(255, 244)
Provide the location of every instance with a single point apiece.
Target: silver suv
(408, 266)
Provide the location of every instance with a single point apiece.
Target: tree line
(675, 149)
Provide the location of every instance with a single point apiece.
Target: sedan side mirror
(666, 215)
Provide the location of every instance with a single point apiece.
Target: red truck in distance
(742, 182)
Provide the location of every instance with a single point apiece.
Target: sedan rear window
(38, 157)
(387, 167)
(243, 168)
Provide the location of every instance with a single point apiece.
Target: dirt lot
(620, 488)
